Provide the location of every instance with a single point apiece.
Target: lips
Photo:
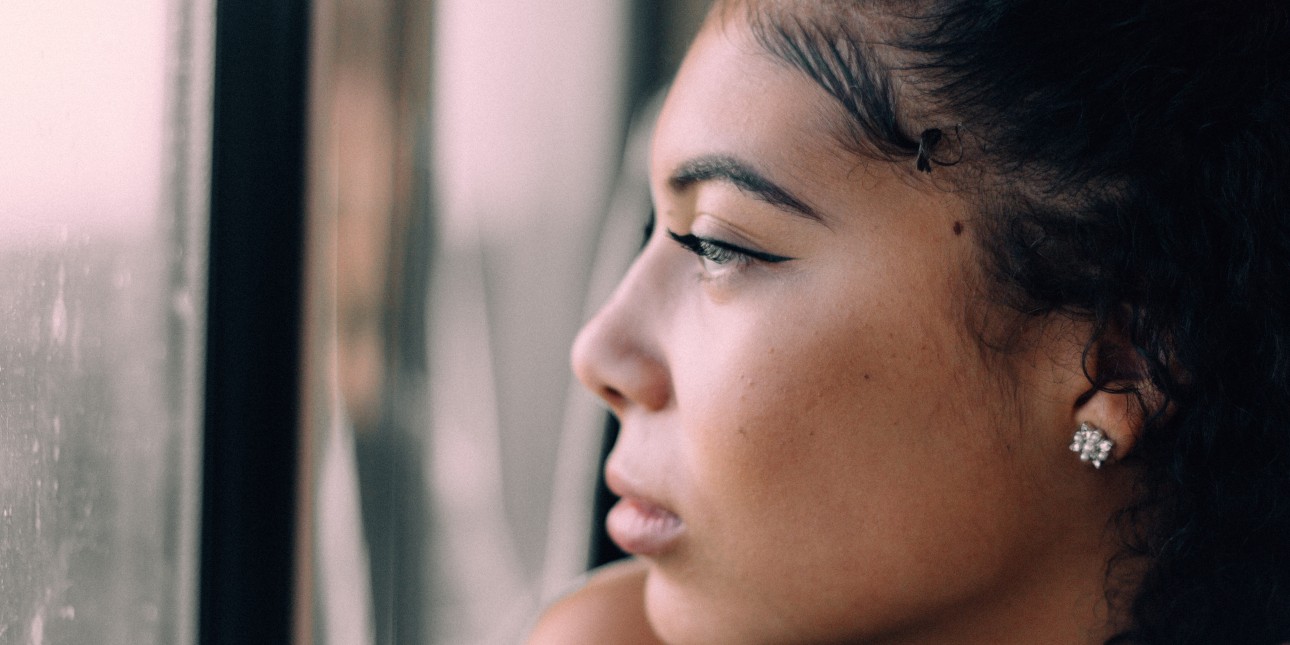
(639, 525)
(641, 528)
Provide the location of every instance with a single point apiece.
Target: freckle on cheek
(958, 228)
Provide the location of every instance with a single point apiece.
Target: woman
(960, 322)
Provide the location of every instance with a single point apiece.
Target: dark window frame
(253, 341)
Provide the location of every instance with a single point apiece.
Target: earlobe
(1101, 387)
(1116, 405)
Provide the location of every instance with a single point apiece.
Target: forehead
(733, 98)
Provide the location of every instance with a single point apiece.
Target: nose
(618, 354)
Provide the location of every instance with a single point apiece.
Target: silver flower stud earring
(1092, 444)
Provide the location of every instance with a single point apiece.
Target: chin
(676, 621)
(681, 616)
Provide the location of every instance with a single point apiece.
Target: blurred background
(288, 289)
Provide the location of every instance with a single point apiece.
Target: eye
(719, 256)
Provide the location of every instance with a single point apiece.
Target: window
(286, 292)
(102, 278)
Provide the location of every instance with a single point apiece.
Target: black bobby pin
(927, 144)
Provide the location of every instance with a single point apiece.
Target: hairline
(999, 328)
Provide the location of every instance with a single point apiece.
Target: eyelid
(695, 244)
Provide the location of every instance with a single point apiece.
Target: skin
(849, 462)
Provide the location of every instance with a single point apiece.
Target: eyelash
(720, 253)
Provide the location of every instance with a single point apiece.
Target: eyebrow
(729, 169)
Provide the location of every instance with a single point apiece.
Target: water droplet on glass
(58, 317)
(37, 631)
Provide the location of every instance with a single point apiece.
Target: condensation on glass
(103, 138)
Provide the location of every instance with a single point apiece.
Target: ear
(1118, 415)
(1120, 392)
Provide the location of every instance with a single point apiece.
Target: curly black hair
(1133, 169)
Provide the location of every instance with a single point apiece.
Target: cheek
(829, 461)
(778, 403)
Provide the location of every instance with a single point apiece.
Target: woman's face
(814, 444)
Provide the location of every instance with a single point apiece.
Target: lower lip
(640, 528)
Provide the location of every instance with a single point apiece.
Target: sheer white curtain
(528, 119)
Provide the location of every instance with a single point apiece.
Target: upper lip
(627, 488)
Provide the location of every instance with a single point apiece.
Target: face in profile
(816, 445)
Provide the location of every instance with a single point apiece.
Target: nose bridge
(618, 354)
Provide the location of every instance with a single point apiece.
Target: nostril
(612, 395)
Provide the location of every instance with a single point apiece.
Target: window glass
(101, 266)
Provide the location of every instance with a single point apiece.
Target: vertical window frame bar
(252, 392)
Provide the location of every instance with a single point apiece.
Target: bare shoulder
(608, 610)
